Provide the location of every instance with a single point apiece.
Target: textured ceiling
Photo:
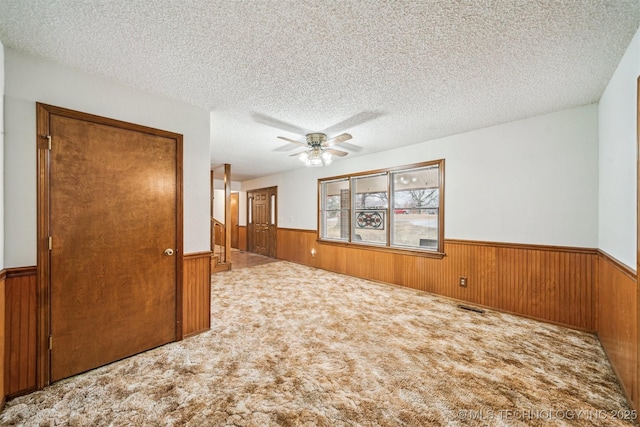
(391, 73)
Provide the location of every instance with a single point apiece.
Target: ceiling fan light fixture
(319, 154)
(315, 157)
(326, 158)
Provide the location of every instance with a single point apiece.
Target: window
(334, 216)
(399, 208)
(416, 207)
(370, 193)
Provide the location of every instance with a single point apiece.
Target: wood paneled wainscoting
(196, 288)
(617, 321)
(554, 284)
(19, 318)
(242, 237)
(20, 331)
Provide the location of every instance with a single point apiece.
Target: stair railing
(218, 238)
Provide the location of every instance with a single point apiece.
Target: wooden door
(262, 226)
(261, 222)
(114, 217)
(234, 220)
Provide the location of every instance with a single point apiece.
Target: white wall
(530, 181)
(218, 184)
(618, 159)
(30, 79)
(218, 205)
(242, 208)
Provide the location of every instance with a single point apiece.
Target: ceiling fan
(319, 151)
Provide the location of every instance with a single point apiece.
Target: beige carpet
(295, 346)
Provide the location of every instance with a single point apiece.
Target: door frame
(43, 266)
(273, 228)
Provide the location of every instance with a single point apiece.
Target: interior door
(114, 210)
(261, 224)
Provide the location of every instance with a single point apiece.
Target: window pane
(334, 210)
(371, 206)
(273, 209)
(416, 208)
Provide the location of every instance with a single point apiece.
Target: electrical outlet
(463, 282)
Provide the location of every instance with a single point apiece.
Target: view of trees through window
(416, 208)
(397, 208)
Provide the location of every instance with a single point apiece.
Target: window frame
(353, 212)
(388, 246)
(321, 201)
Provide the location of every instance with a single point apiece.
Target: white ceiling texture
(391, 73)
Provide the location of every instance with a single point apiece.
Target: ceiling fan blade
(338, 153)
(285, 148)
(351, 147)
(337, 140)
(296, 154)
(292, 141)
(354, 121)
(278, 124)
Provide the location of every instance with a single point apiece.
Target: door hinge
(50, 243)
(50, 342)
(48, 138)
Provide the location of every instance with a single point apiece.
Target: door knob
(168, 252)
